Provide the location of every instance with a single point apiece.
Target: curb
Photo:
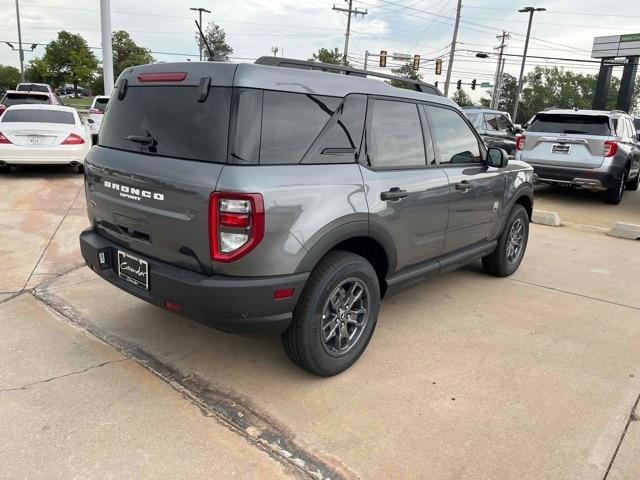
(543, 217)
(625, 230)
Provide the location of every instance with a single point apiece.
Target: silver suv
(590, 149)
(291, 201)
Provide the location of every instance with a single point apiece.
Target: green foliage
(69, 59)
(405, 71)
(97, 85)
(325, 55)
(126, 53)
(461, 98)
(9, 77)
(38, 71)
(216, 38)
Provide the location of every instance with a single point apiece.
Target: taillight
(2, 109)
(236, 224)
(73, 139)
(610, 148)
(4, 139)
(95, 110)
(520, 142)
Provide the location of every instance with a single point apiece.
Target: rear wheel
(634, 184)
(614, 195)
(5, 168)
(512, 243)
(335, 316)
(80, 168)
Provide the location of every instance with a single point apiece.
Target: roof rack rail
(356, 72)
(618, 111)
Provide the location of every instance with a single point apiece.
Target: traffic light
(416, 63)
(438, 66)
(459, 84)
(436, 84)
(473, 84)
(383, 58)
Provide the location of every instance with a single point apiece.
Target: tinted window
(340, 139)
(33, 88)
(455, 140)
(40, 116)
(504, 123)
(476, 120)
(247, 124)
(395, 136)
(563, 123)
(290, 124)
(101, 104)
(169, 121)
(24, 98)
(491, 120)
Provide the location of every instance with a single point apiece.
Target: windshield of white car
(38, 116)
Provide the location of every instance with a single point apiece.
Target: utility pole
(348, 11)
(366, 58)
(200, 10)
(498, 86)
(453, 49)
(107, 52)
(274, 50)
(530, 11)
(20, 51)
(497, 81)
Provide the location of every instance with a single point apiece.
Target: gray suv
(495, 127)
(262, 198)
(591, 149)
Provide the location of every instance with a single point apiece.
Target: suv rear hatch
(162, 147)
(567, 140)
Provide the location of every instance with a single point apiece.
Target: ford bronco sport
(273, 199)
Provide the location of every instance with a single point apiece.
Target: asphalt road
(467, 376)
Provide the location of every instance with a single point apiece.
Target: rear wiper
(146, 141)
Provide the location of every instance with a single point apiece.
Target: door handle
(464, 186)
(394, 195)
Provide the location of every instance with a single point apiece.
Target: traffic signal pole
(107, 52)
(453, 49)
(20, 51)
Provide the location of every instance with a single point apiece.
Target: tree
(461, 98)
(126, 53)
(70, 60)
(216, 38)
(9, 77)
(405, 71)
(325, 55)
(38, 71)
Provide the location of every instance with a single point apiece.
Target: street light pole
(20, 52)
(200, 10)
(530, 11)
(107, 51)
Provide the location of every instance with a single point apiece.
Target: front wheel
(335, 316)
(512, 243)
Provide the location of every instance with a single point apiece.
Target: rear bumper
(596, 179)
(14, 155)
(231, 304)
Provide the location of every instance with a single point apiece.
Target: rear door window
(491, 119)
(290, 124)
(169, 121)
(394, 138)
(38, 116)
(455, 141)
(504, 124)
(570, 124)
(24, 99)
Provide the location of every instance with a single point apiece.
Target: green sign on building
(630, 37)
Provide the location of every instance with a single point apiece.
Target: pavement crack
(632, 418)
(58, 377)
(574, 293)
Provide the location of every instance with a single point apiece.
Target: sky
(423, 27)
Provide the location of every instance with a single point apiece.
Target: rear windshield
(24, 98)
(578, 124)
(33, 88)
(38, 116)
(101, 104)
(169, 121)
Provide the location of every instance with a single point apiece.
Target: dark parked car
(291, 201)
(591, 149)
(13, 97)
(495, 127)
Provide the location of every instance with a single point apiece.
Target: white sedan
(43, 134)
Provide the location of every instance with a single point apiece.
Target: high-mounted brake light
(520, 142)
(73, 139)
(4, 139)
(236, 224)
(162, 77)
(610, 148)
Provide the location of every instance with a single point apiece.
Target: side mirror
(497, 157)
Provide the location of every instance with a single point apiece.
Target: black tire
(304, 342)
(633, 185)
(5, 169)
(503, 262)
(80, 168)
(614, 195)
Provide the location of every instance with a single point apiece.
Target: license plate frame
(136, 270)
(561, 148)
(37, 140)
